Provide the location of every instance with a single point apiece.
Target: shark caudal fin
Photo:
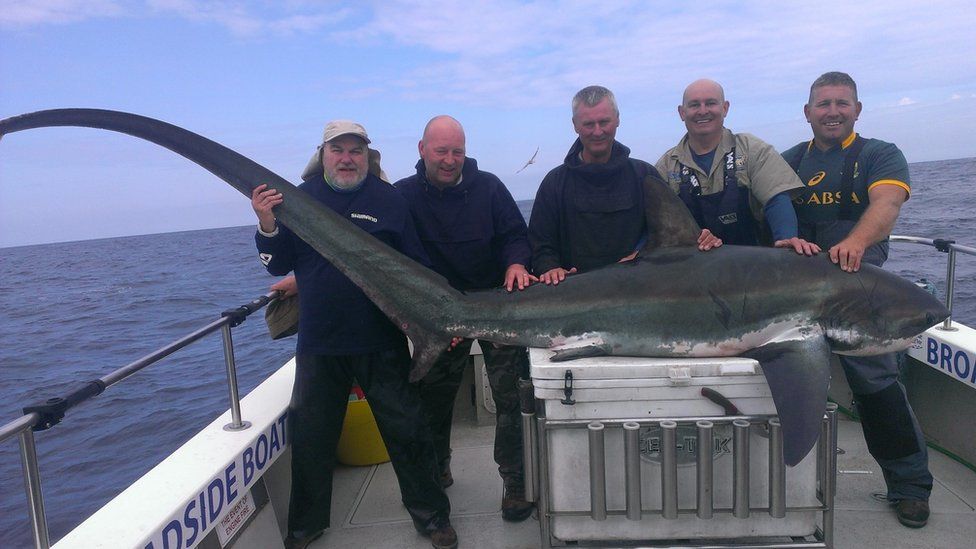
(427, 348)
(669, 223)
(797, 372)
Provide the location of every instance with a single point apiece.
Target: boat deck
(367, 511)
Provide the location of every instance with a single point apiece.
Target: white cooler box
(624, 388)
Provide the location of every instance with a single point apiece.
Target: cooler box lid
(635, 371)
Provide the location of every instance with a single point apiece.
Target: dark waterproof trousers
(318, 407)
(438, 390)
(891, 431)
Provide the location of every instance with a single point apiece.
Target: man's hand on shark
(629, 257)
(707, 241)
(847, 255)
(555, 276)
(517, 275)
(798, 245)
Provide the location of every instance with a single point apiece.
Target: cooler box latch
(568, 388)
(679, 377)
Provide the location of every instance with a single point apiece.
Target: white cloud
(538, 53)
(905, 101)
(955, 97)
(25, 13)
(248, 19)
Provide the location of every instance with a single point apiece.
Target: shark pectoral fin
(596, 347)
(426, 351)
(797, 372)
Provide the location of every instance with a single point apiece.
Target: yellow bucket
(360, 442)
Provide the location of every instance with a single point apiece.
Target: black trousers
(318, 407)
(438, 389)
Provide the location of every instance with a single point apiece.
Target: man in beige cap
(343, 336)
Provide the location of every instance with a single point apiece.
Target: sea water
(73, 312)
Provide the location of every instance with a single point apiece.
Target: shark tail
(427, 349)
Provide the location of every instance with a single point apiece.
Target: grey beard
(340, 186)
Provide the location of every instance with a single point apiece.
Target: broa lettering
(955, 362)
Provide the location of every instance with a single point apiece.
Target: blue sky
(263, 77)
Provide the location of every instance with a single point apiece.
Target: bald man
(731, 182)
(475, 236)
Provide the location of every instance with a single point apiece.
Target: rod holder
(706, 442)
(529, 456)
(777, 471)
(669, 469)
(598, 472)
(632, 474)
(740, 467)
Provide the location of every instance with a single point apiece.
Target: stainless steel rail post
(829, 486)
(529, 456)
(740, 467)
(669, 469)
(598, 472)
(704, 464)
(23, 428)
(32, 486)
(777, 471)
(950, 288)
(235, 399)
(632, 474)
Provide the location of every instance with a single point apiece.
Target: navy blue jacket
(472, 231)
(335, 316)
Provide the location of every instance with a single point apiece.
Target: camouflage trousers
(438, 390)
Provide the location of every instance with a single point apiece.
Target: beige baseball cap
(335, 129)
(343, 127)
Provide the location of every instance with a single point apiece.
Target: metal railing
(43, 416)
(948, 247)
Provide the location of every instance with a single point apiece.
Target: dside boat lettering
(200, 514)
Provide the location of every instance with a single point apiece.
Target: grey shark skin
(786, 311)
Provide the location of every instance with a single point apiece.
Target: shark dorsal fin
(669, 223)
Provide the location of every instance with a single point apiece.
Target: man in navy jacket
(343, 336)
(476, 238)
